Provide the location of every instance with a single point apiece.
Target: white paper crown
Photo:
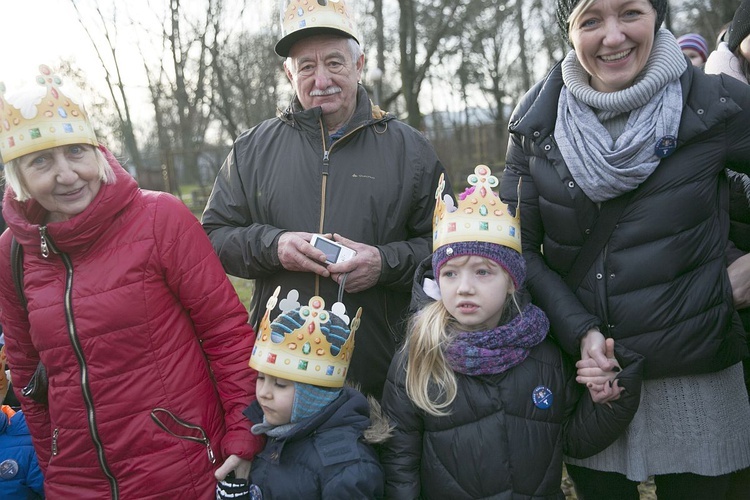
(479, 216)
(305, 344)
(36, 120)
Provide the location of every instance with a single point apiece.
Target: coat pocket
(182, 429)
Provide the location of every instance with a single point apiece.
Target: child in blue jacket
(20, 475)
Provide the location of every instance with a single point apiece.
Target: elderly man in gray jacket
(334, 164)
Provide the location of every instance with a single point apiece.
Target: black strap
(609, 215)
(16, 268)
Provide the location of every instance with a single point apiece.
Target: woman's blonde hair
(577, 11)
(15, 181)
(430, 381)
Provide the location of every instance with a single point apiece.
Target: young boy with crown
(482, 403)
(319, 433)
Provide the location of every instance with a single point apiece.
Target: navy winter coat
(324, 456)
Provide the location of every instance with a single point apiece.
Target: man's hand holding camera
(297, 254)
(363, 268)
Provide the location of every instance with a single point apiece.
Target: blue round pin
(542, 397)
(665, 146)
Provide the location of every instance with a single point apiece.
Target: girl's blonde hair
(14, 180)
(430, 381)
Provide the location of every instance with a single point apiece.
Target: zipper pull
(325, 161)
(54, 442)
(43, 234)
(211, 456)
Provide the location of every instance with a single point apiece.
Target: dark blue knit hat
(311, 399)
(507, 258)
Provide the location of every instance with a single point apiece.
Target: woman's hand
(739, 277)
(598, 367)
(240, 466)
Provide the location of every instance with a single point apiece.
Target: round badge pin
(542, 397)
(8, 469)
(255, 493)
(665, 146)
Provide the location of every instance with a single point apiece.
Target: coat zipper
(324, 183)
(48, 244)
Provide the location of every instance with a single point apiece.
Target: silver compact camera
(335, 252)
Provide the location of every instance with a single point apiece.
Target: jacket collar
(346, 410)
(25, 218)
(310, 119)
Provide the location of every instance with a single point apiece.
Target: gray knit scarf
(606, 167)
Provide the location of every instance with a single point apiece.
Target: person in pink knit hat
(694, 46)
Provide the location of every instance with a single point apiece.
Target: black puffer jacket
(324, 456)
(496, 443)
(375, 185)
(660, 287)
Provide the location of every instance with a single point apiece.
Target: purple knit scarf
(500, 349)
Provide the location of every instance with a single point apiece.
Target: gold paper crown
(303, 18)
(480, 215)
(297, 345)
(35, 121)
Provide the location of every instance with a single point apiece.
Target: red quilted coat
(145, 342)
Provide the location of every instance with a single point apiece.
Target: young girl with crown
(482, 403)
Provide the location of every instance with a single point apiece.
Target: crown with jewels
(307, 344)
(303, 18)
(36, 120)
(479, 216)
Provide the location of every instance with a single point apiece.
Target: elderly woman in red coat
(143, 338)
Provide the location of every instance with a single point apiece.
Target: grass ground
(244, 289)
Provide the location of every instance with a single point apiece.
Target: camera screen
(332, 251)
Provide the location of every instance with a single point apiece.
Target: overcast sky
(38, 32)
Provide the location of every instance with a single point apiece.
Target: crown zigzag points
(307, 344)
(34, 121)
(479, 216)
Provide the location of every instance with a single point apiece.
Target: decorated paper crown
(305, 344)
(38, 120)
(480, 215)
(303, 18)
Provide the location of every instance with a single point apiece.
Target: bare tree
(109, 59)
(423, 26)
